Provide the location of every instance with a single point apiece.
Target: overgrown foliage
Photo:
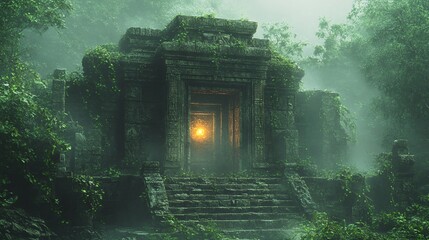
(89, 192)
(283, 72)
(95, 86)
(355, 195)
(385, 44)
(92, 98)
(323, 228)
(30, 142)
(283, 40)
(180, 231)
(100, 67)
(30, 145)
(18, 15)
(413, 223)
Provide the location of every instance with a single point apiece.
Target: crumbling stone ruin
(209, 76)
(208, 122)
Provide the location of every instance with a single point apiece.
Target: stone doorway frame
(178, 82)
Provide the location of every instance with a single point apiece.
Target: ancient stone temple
(201, 95)
(204, 95)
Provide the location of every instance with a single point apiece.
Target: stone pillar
(258, 138)
(175, 119)
(402, 164)
(59, 106)
(59, 90)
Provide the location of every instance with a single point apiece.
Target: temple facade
(203, 95)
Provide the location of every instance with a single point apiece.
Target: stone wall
(322, 139)
(143, 92)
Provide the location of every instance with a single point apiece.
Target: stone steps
(226, 180)
(265, 209)
(224, 196)
(231, 216)
(225, 191)
(230, 203)
(247, 224)
(241, 207)
(196, 185)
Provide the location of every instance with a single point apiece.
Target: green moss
(100, 67)
(98, 86)
(284, 72)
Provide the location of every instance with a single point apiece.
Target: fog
(302, 16)
(201, 133)
(89, 25)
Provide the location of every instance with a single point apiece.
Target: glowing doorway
(204, 134)
(214, 132)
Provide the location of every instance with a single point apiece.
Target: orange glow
(202, 127)
(199, 133)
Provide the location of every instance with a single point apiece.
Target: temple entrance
(214, 131)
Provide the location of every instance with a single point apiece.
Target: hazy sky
(302, 15)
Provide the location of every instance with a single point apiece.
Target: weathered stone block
(322, 138)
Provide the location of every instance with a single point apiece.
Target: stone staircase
(242, 207)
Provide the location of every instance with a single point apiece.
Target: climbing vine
(89, 192)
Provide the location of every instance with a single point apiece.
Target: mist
(201, 131)
(64, 48)
(89, 26)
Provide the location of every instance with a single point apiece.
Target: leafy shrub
(89, 192)
(324, 228)
(192, 231)
(413, 223)
(30, 146)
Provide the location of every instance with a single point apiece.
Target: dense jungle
(106, 106)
